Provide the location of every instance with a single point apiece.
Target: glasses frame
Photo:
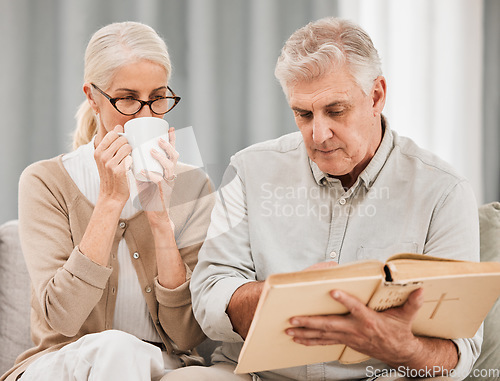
(113, 101)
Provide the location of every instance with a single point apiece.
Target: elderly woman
(110, 281)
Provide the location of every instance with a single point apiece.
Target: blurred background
(441, 60)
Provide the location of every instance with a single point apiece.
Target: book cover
(457, 297)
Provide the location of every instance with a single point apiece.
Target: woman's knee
(115, 338)
(219, 372)
(185, 374)
(119, 345)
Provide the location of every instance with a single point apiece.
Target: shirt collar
(373, 168)
(319, 175)
(87, 156)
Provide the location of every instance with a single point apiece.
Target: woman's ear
(379, 91)
(87, 89)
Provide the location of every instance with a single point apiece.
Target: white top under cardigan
(131, 312)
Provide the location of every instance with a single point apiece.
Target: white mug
(143, 135)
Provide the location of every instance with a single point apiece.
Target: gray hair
(110, 48)
(315, 49)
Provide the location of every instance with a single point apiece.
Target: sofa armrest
(489, 360)
(14, 297)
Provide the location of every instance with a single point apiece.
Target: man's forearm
(430, 353)
(242, 306)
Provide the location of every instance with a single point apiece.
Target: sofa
(15, 298)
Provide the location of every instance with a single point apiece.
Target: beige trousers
(108, 355)
(218, 372)
(225, 372)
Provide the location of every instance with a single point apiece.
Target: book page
(404, 267)
(392, 295)
(347, 270)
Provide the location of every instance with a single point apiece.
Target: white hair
(110, 48)
(319, 47)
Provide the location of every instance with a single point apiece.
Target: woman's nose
(144, 112)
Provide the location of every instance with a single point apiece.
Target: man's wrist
(242, 306)
(424, 353)
(412, 353)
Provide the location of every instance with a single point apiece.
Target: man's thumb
(414, 302)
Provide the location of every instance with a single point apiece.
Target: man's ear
(87, 89)
(378, 95)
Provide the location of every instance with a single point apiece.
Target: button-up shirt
(276, 211)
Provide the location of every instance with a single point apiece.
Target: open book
(457, 297)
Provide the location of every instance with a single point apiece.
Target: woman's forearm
(171, 268)
(98, 238)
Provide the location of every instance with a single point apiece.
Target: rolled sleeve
(88, 271)
(176, 297)
(468, 352)
(217, 325)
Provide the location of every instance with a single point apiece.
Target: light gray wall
(223, 53)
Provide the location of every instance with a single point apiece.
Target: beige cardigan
(73, 296)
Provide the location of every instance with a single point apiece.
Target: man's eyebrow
(333, 104)
(338, 103)
(298, 109)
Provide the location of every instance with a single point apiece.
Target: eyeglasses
(130, 106)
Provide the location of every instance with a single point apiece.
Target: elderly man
(344, 188)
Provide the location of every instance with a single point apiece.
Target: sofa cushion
(14, 297)
(489, 220)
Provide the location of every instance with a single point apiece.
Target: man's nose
(321, 131)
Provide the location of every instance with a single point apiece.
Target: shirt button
(333, 255)
(113, 290)
(122, 225)
(148, 289)
(342, 201)
(136, 255)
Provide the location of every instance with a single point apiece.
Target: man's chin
(326, 166)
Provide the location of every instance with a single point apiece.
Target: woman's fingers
(167, 165)
(113, 149)
(112, 156)
(128, 162)
(168, 158)
(169, 149)
(152, 176)
(171, 136)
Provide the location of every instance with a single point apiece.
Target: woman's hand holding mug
(112, 156)
(155, 193)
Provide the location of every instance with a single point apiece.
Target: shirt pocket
(382, 253)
